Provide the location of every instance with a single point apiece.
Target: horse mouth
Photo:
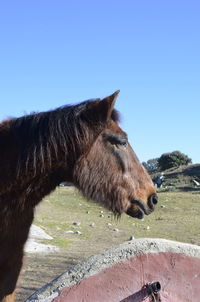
(138, 210)
(136, 214)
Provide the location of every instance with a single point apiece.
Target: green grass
(177, 220)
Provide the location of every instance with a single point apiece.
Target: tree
(173, 159)
(151, 165)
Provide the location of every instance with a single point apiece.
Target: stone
(69, 232)
(78, 233)
(77, 223)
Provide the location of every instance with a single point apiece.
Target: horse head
(109, 171)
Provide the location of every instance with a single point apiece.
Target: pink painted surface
(179, 276)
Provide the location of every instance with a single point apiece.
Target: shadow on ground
(39, 270)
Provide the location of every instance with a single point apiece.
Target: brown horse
(80, 144)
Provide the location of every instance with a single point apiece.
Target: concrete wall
(118, 274)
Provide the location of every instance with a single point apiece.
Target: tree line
(167, 161)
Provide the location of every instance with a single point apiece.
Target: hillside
(182, 177)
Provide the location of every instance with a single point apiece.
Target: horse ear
(107, 104)
(99, 111)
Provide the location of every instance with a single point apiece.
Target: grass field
(177, 217)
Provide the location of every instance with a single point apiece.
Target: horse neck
(45, 141)
(43, 148)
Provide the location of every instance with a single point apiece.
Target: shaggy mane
(41, 135)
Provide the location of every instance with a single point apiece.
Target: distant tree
(173, 159)
(151, 165)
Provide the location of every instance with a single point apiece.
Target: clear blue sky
(58, 52)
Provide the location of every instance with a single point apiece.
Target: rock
(162, 206)
(116, 230)
(196, 182)
(146, 228)
(78, 233)
(92, 224)
(33, 246)
(73, 232)
(131, 238)
(101, 215)
(69, 232)
(37, 233)
(77, 223)
(109, 224)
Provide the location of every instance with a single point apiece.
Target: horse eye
(124, 143)
(118, 141)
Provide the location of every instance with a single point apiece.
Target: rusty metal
(153, 291)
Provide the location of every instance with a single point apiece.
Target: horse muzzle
(138, 209)
(135, 214)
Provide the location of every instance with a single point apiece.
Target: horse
(81, 144)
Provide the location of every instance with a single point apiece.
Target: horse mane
(41, 136)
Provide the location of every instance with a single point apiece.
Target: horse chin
(135, 214)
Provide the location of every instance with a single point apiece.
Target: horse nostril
(153, 200)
